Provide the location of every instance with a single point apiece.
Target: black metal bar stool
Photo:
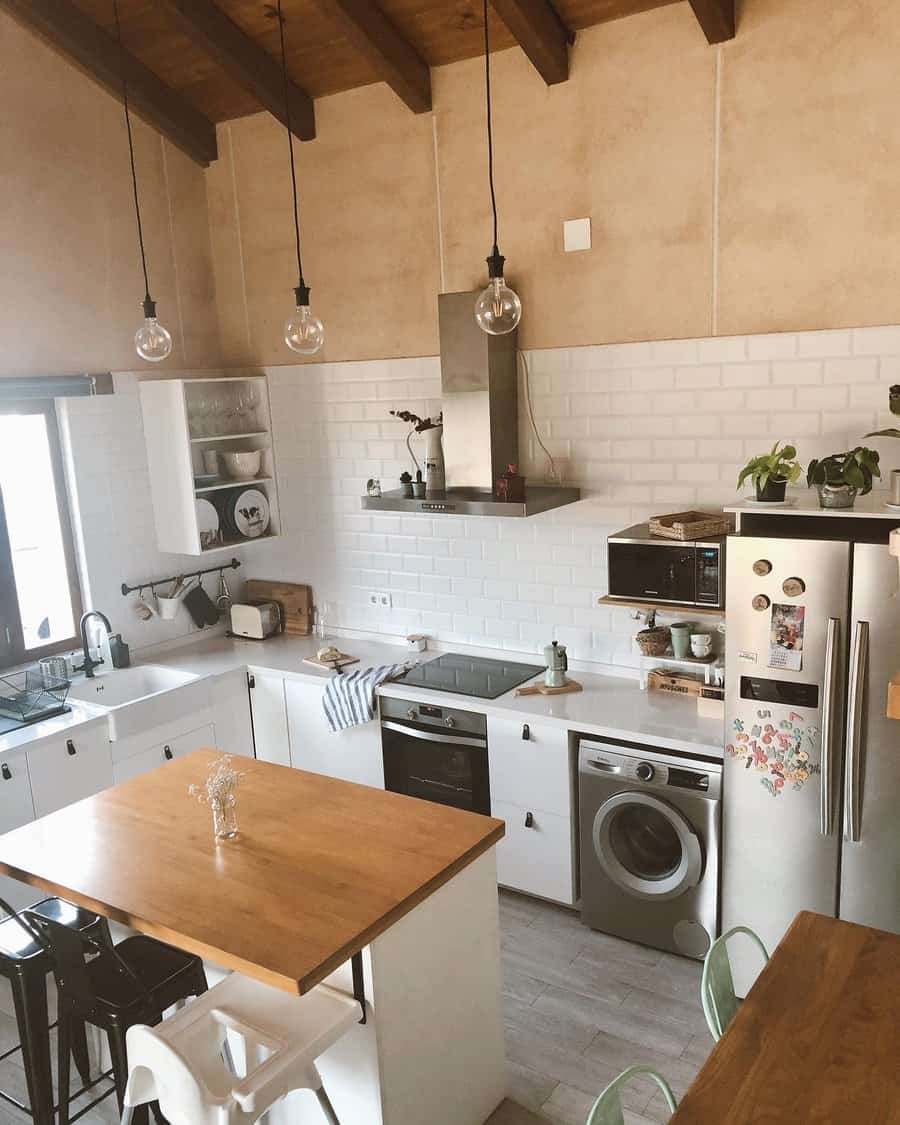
(25, 964)
(112, 988)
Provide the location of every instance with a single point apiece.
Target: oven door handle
(427, 736)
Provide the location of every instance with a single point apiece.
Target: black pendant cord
(148, 300)
(490, 128)
(302, 289)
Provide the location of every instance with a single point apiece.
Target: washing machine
(650, 845)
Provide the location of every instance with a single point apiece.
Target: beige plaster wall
(70, 282)
(749, 188)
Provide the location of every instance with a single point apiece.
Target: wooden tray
(331, 665)
(542, 689)
(295, 601)
(893, 707)
(686, 526)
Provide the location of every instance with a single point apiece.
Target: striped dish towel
(349, 698)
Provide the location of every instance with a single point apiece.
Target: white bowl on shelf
(242, 466)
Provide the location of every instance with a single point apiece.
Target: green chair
(720, 1003)
(608, 1107)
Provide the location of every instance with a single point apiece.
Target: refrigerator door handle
(859, 663)
(829, 704)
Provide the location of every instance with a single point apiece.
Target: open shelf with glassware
(212, 462)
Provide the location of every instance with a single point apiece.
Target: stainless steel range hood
(479, 397)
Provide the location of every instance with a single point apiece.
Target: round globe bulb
(304, 332)
(498, 309)
(152, 342)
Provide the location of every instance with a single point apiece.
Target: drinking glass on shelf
(217, 414)
(253, 402)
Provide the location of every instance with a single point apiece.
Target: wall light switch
(576, 235)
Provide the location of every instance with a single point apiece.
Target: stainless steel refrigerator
(811, 786)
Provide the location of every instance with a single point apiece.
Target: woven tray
(690, 525)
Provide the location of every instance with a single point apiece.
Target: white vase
(435, 480)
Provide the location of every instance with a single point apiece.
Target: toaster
(256, 620)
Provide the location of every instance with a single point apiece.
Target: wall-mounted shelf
(177, 414)
(664, 607)
(706, 663)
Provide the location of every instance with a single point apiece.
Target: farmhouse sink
(139, 698)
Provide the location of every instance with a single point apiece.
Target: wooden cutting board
(295, 601)
(333, 665)
(893, 709)
(542, 689)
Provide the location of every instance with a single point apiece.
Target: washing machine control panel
(624, 767)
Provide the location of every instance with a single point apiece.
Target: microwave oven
(647, 568)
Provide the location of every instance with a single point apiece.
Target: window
(40, 600)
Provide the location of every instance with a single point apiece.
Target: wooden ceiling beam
(717, 18)
(245, 63)
(540, 33)
(364, 24)
(64, 28)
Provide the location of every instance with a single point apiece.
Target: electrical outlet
(381, 598)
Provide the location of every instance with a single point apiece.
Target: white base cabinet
(351, 755)
(68, 768)
(270, 723)
(531, 789)
(16, 809)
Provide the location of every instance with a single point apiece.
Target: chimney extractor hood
(480, 402)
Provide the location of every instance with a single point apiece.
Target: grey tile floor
(580, 1007)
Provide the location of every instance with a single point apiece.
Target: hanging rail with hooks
(151, 585)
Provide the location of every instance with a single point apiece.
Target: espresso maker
(557, 665)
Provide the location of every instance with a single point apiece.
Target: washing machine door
(647, 847)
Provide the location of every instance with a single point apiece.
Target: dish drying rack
(29, 695)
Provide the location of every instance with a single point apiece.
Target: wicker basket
(653, 642)
(690, 525)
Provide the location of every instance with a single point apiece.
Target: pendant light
(498, 309)
(303, 332)
(152, 342)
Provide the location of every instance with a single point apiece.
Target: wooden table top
(319, 869)
(817, 1041)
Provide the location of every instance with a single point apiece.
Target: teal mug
(681, 639)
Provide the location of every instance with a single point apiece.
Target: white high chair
(180, 1063)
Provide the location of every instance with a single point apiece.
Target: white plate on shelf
(892, 506)
(207, 523)
(250, 513)
(753, 502)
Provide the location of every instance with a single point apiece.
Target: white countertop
(609, 706)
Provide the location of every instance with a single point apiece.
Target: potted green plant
(771, 472)
(406, 487)
(840, 477)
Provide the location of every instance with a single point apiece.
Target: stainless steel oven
(436, 753)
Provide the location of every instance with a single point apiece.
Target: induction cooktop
(471, 675)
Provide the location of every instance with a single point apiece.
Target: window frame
(12, 638)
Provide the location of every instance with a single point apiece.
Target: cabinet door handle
(526, 732)
(529, 820)
(251, 680)
(6, 772)
(70, 748)
(167, 750)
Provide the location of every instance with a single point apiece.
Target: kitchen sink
(136, 699)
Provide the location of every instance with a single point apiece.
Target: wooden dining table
(817, 1040)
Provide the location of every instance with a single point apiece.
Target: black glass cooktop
(471, 675)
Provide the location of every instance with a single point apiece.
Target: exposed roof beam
(60, 24)
(375, 37)
(717, 19)
(245, 63)
(540, 33)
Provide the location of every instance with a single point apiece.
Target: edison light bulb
(152, 342)
(498, 309)
(304, 332)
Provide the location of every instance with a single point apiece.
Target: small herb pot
(418, 489)
(406, 489)
(895, 399)
(836, 495)
(773, 491)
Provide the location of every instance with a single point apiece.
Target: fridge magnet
(783, 757)
(786, 637)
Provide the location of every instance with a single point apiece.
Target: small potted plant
(771, 472)
(841, 477)
(406, 488)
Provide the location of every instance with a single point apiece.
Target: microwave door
(652, 572)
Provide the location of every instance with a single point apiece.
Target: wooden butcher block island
(320, 870)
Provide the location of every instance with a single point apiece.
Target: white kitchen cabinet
(183, 419)
(270, 724)
(352, 755)
(531, 779)
(535, 855)
(69, 767)
(150, 759)
(16, 809)
(231, 714)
